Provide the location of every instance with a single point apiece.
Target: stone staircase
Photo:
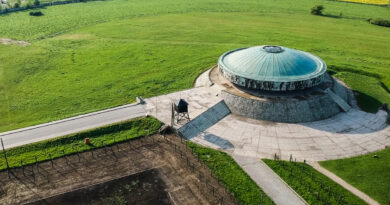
(338, 100)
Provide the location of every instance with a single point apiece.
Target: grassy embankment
(71, 144)
(231, 174)
(368, 174)
(90, 56)
(311, 185)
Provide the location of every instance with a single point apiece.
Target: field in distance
(377, 2)
(90, 56)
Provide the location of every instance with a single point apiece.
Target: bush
(36, 2)
(16, 5)
(36, 13)
(380, 22)
(317, 10)
(28, 3)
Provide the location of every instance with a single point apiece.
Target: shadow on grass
(385, 87)
(42, 6)
(340, 16)
(366, 102)
(24, 10)
(332, 16)
(333, 69)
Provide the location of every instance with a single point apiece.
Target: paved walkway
(199, 99)
(71, 125)
(269, 182)
(343, 183)
(345, 135)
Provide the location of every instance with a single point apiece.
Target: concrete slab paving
(270, 182)
(346, 134)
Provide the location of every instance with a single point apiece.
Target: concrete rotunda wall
(288, 109)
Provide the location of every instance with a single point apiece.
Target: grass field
(71, 144)
(311, 185)
(90, 56)
(244, 189)
(370, 175)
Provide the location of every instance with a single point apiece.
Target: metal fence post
(262, 198)
(21, 163)
(77, 151)
(51, 160)
(36, 163)
(5, 157)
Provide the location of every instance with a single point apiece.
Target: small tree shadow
(333, 16)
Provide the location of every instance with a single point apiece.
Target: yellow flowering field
(378, 2)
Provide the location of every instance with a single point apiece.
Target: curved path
(343, 183)
(71, 125)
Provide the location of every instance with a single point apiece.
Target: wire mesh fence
(36, 171)
(303, 177)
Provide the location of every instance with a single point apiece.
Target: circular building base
(295, 106)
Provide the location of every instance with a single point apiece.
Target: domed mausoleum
(279, 84)
(272, 68)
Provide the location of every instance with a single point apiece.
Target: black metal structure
(180, 111)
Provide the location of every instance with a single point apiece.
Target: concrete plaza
(346, 134)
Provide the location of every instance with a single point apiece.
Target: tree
(28, 3)
(36, 2)
(317, 10)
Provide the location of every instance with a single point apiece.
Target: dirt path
(7, 41)
(344, 184)
(185, 179)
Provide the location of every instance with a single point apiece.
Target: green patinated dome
(274, 68)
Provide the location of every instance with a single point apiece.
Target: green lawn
(370, 175)
(244, 189)
(70, 144)
(90, 56)
(312, 185)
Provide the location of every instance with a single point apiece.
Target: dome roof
(251, 67)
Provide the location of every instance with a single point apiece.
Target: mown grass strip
(244, 189)
(369, 173)
(312, 185)
(71, 144)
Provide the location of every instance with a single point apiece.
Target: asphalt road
(71, 125)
